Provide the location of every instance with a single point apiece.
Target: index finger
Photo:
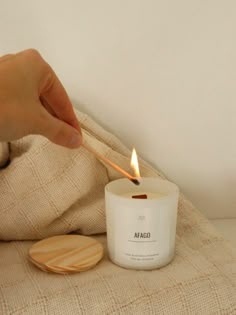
(53, 92)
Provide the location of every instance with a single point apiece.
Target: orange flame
(134, 163)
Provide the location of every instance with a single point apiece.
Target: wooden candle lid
(66, 253)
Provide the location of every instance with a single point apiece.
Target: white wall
(160, 74)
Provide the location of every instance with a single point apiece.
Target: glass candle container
(141, 232)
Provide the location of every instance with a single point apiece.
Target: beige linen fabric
(49, 190)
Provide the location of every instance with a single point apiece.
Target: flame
(134, 163)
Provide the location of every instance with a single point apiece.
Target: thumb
(58, 131)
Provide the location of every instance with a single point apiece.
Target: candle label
(139, 240)
(142, 235)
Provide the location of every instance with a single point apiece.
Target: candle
(141, 232)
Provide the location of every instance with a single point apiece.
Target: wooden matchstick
(112, 164)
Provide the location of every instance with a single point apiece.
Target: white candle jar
(141, 232)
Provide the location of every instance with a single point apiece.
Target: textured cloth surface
(227, 227)
(49, 190)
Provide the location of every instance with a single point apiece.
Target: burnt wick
(135, 181)
(144, 196)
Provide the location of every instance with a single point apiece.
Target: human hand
(33, 101)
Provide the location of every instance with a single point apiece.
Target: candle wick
(135, 181)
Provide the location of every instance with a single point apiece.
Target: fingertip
(75, 140)
(57, 131)
(75, 123)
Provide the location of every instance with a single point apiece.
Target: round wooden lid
(66, 253)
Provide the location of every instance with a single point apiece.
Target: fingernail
(76, 140)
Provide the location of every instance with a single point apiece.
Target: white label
(137, 240)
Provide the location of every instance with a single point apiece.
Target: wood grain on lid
(66, 253)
